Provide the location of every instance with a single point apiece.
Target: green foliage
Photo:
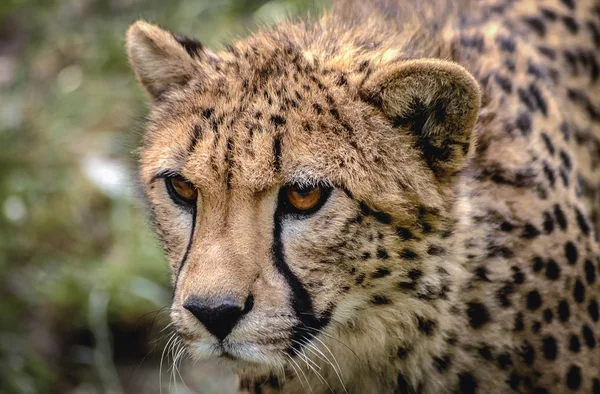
(77, 258)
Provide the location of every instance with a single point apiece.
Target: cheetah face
(284, 190)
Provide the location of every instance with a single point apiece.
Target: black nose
(219, 315)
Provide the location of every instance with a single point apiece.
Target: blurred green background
(84, 290)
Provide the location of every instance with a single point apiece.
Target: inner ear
(435, 101)
(161, 60)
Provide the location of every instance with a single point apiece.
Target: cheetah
(397, 197)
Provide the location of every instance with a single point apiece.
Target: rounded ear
(159, 59)
(436, 101)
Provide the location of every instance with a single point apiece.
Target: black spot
(478, 314)
(590, 272)
(442, 363)
(537, 264)
(360, 279)
(548, 222)
(507, 227)
(526, 98)
(571, 24)
(382, 217)
(530, 231)
(571, 252)
(341, 80)
(403, 352)
(277, 120)
(579, 291)
(506, 43)
(527, 353)
(402, 386)
(486, 352)
(560, 217)
(581, 98)
(404, 233)
(549, 14)
(382, 253)
(524, 123)
(475, 41)
(565, 177)
(415, 274)
(519, 324)
(510, 65)
(504, 293)
(518, 276)
(277, 154)
(596, 386)
(536, 24)
(574, 344)
(549, 173)
(537, 96)
(571, 59)
(595, 32)
(593, 310)
(426, 326)
(563, 311)
(548, 142)
(547, 52)
(582, 222)
(407, 285)
(569, 3)
(514, 380)
(534, 300)
(552, 270)
(536, 327)
(549, 348)
(435, 250)
(588, 336)
(504, 83)
(566, 160)
(380, 273)
(467, 383)
(574, 377)
(481, 273)
(548, 315)
(504, 360)
(535, 70)
(208, 112)
(408, 254)
(380, 300)
(334, 112)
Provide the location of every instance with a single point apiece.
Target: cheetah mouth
(240, 356)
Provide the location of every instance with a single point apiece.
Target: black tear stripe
(309, 324)
(187, 250)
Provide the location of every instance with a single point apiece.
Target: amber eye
(181, 191)
(304, 200)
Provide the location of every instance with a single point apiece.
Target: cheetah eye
(181, 191)
(303, 200)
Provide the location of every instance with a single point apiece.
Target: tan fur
(457, 252)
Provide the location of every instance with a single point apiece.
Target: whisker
(311, 368)
(302, 372)
(161, 361)
(295, 371)
(316, 331)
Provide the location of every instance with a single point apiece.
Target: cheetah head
(302, 198)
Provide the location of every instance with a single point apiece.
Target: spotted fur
(458, 251)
